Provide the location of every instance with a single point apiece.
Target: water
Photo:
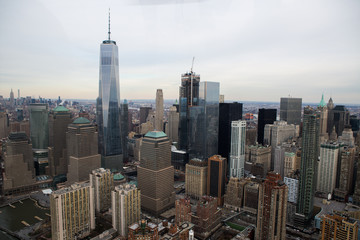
(10, 218)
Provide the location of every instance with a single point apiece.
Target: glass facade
(108, 102)
(39, 126)
(237, 150)
(204, 122)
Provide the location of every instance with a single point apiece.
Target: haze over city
(257, 50)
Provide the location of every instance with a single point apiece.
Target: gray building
(290, 110)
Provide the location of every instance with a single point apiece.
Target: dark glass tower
(228, 112)
(309, 165)
(188, 98)
(266, 116)
(108, 106)
(290, 110)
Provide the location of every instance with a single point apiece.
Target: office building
(4, 125)
(279, 160)
(330, 121)
(204, 122)
(59, 119)
(72, 212)
(292, 181)
(251, 197)
(179, 158)
(309, 166)
(188, 98)
(196, 178)
(355, 124)
(102, 181)
(258, 154)
(290, 110)
(326, 175)
(81, 145)
(271, 218)
(207, 218)
(182, 211)
(216, 178)
(155, 173)
(234, 194)
(18, 163)
(144, 112)
(338, 227)
(322, 108)
(266, 116)
(108, 106)
(347, 137)
(341, 118)
(289, 163)
(124, 119)
(228, 112)
(173, 126)
(126, 207)
(237, 149)
(159, 115)
(356, 196)
(346, 175)
(12, 100)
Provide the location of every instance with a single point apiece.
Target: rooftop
(81, 120)
(61, 109)
(156, 134)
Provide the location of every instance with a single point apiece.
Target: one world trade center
(108, 106)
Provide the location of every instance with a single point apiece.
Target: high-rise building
(124, 119)
(59, 119)
(81, 145)
(322, 107)
(258, 154)
(155, 173)
(72, 212)
(188, 97)
(228, 112)
(289, 163)
(292, 181)
(216, 178)
(234, 195)
(108, 106)
(237, 150)
(39, 133)
(356, 196)
(330, 120)
(347, 137)
(4, 124)
(12, 100)
(173, 127)
(182, 210)
(326, 175)
(266, 116)
(290, 110)
(204, 122)
(144, 112)
(338, 227)
(207, 217)
(196, 178)
(159, 117)
(271, 218)
(309, 166)
(341, 118)
(18, 163)
(126, 207)
(102, 181)
(346, 174)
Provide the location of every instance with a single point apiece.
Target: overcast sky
(259, 50)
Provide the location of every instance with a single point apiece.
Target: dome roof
(81, 120)
(61, 109)
(156, 134)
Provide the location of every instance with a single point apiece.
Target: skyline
(280, 45)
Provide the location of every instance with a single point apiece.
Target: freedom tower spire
(108, 105)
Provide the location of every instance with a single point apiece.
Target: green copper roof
(322, 102)
(81, 120)
(155, 134)
(118, 177)
(61, 109)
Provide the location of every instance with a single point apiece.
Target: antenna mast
(109, 25)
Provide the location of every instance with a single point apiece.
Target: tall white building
(237, 148)
(326, 179)
(126, 205)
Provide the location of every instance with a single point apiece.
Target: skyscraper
(173, 126)
(216, 178)
(189, 97)
(159, 122)
(102, 181)
(108, 106)
(266, 116)
(59, 119)
(204, 122)
(144, 112)
(124, 119)
(309, 166)
(290, 110)
(338, 227)
(323, 119)
(271, 217)
(228, 112)
(196, 178)
(155, 173)
(12, 101)
(237, 150)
